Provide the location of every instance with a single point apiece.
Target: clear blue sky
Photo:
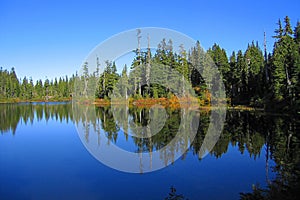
(51, 38)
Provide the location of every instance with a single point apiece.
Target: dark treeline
(14, 89)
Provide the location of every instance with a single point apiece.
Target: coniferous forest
(255, 78)
(14, 89)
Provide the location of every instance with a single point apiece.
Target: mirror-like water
(43, 157)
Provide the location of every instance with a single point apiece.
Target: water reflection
(275, 138)
(13, 114)
(150, 143)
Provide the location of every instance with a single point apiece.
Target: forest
(13, 89)
(254, 78)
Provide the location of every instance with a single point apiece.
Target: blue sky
(52, 38)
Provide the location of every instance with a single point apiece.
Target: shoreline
(147, 103)
(141, 103)
(17, 100)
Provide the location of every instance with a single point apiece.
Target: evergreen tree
(234, 76)
(46, 89)
(24, 89)
(296, 75)
(15, 85)
(279, 31)
(284, 66)
(196, 65)
(183, 68)
(255, 59)
(241, 77)
(30, 89)
(39, 88)
(108, 79)
(221, 60)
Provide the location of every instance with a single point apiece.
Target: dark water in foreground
(42, 156)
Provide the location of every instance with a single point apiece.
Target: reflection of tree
(138, 120)
(244, 129)
(121, 117)
(284, 146)
(255, 133)
(12, 114)
(108, 123)
(173, 195)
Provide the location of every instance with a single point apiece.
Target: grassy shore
(171, 103)
(18, 100)
(174, 103)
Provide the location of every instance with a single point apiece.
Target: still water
(43, 157)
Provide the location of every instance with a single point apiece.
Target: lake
(44, 155)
